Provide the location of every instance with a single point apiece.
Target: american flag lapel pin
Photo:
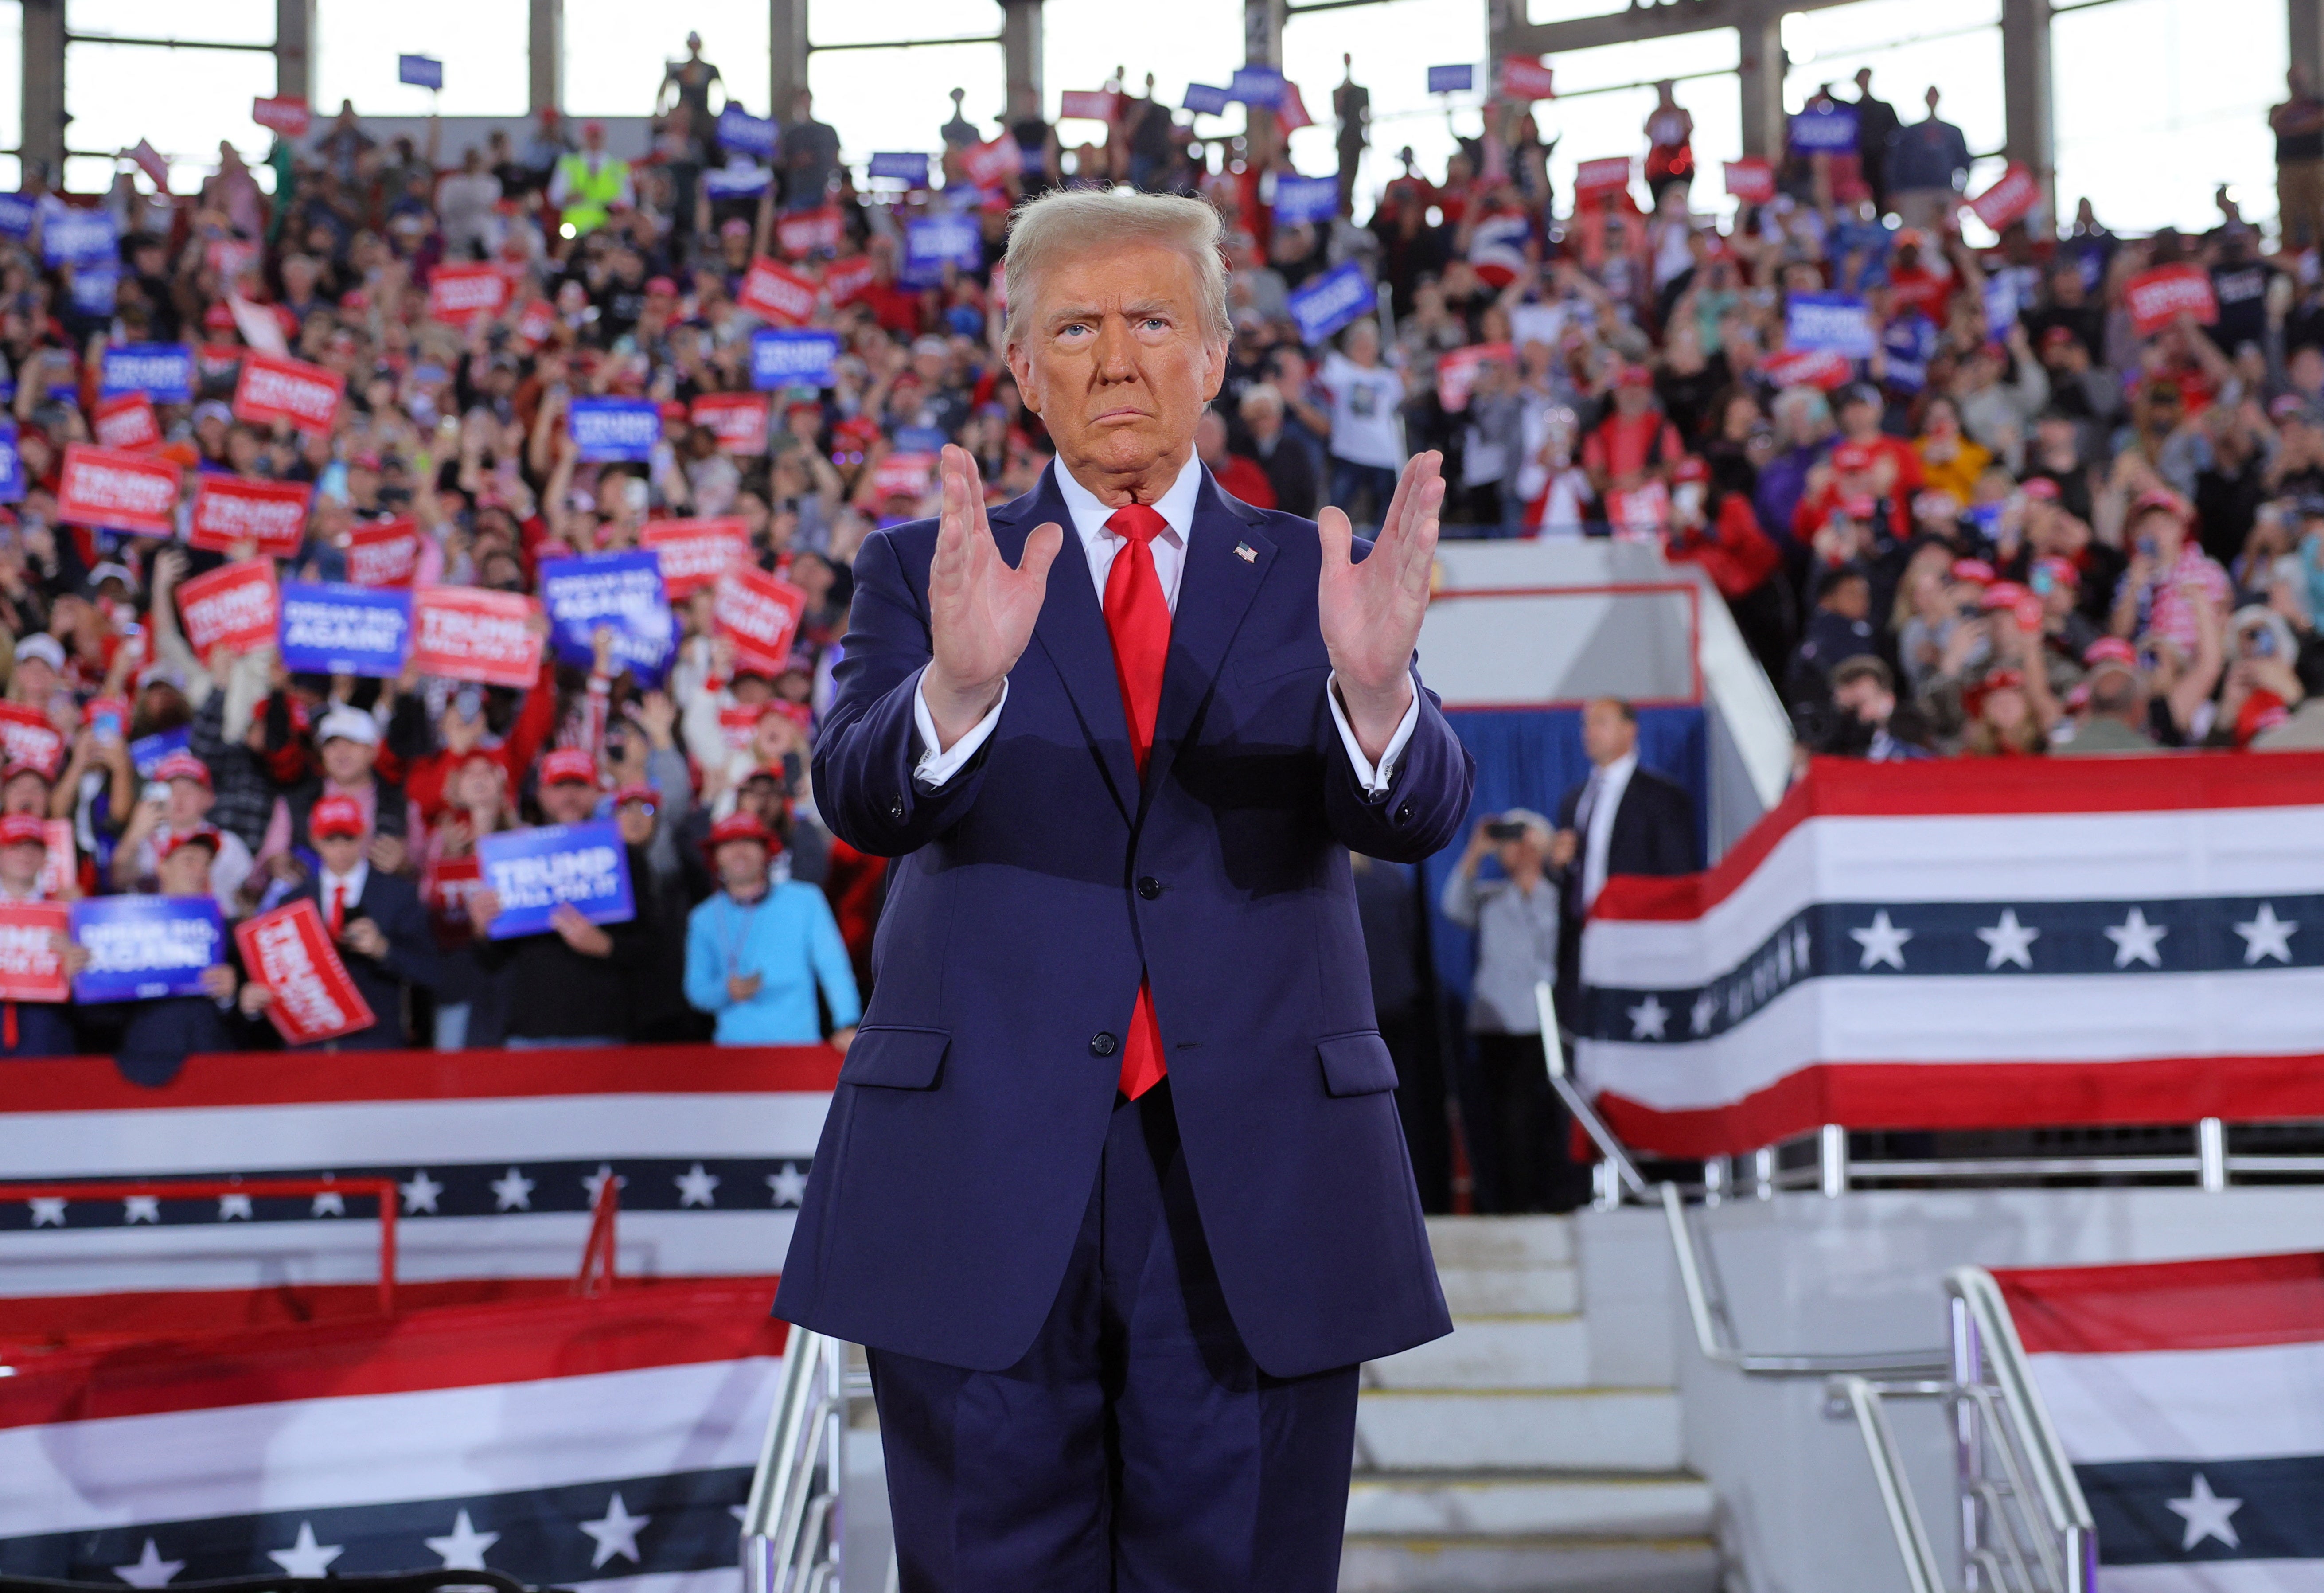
(1246, 552)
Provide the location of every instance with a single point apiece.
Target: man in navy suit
(1112, 1184)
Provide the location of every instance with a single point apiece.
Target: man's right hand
(1563, 846)
(980, 611)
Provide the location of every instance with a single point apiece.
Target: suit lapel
(1215, 590)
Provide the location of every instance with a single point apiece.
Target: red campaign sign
(124, 491)
(904, 475)
(1597, 177)
(1524, 77)
(808, 230)
(1797, 368)
(1456, 373)
(60, 864)
(217, 361)
(229, 511)
(536, 322)
(273, 388)
(235, 608)
(2008, 200)
(384, 554)
(1087, 105)
(32, 965)
(289, 952)
(844, 279)
(2159, 297)
(777, 293)
(761, 612)
(739, 420)
(739, 724)
(284, 113)
(1291, 110)
(446, 883)
(988, 163)
(459, 293)
(696, 553)
(464, 635)
(1751, 181)
(229, 258)
(26, 737)
(127, 421)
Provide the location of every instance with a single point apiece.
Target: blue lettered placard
(736, 181)
(143, 947)
(1910, 341)
(16, 216)
(535, 871)
(1305, 199)
(792, 358)
(1260, 85)
(1452, 80)
(612, 429)
(902, 166)
(95, 289)
(937, 240)
(1829, 323)
(2000, 304)
(1830, 128)
(70, 236)
(163, 371)
(421, 72)
(1331, 301)
(1207, 99)
(11, 466)
(739, 129)
(331, 629)
(622, 590)
(146, 753)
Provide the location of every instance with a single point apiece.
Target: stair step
(1528, 1504)
(1502, 1241)
(1547, 1565)
(1594, 1429)
(1493, 1352)
(1493, 1291)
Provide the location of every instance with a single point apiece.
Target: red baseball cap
(625, 795)
(21, 830)
(2110, 650)
(1635, 375)
(2042, 487)
(2002, 594)
(1853, 456)
(568, 765)
(183, 765)
(335, 816)
(1690, 468)
(22, 767)
(204, 834)
(738, 827)
(1976, 569)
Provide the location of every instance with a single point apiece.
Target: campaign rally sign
(738, 419)
(11, 466)
(125, 491)
(464, 635)
(143, 947)
(1610, 174)
(1456, 372)
(988, 163)
(1829, 323)
(146, 753)
(695, 553)
(1331, 300)
(333, 629)
(534, 872)
(1457, 79)
(844, 279)
(760, 614)
(289, 952)
(1257, 85)
(1802, 367)
(26, 737)
(72, 236)
(1524, 77)
(808, 232)
(908, 166)
(1207, 99)
(790, 357)
(1751, 179)
(32, 967)
(2011, 197)
(604, 429)
(421, 72)
(1305, 199)
(904, 475)
(163, 371)
(1824, 129)
(1909, 342)
(385, 553)
(458, 294)
(739, 129)
(622, 591)
(2161, 296)
(773, 292)
(16, 215)
(127, 421)
(283, 113)
(95, 289)
(1999, 295)
(236, 607)
(229, 511)
(934, 242)
(273, 387)
(1088, 105)
(737, 180)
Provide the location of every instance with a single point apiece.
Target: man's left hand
(1371, 611)
(364, 939)
(578, 932)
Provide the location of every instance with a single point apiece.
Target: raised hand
(1371, 612)
(980, 611)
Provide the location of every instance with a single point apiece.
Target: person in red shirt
(1237, 477)
(1919, 278)
(1717, 529)
(1634, 445)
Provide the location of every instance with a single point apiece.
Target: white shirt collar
(353, 882)
(1177, 506)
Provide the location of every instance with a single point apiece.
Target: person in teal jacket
(755, 951)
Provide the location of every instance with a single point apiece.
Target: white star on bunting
(142, 1208)
(150, 1570)
(2136, 941)
(231, 1207)
(513, 1194)
(306, 1557)
(2008, 941)
(1783, 958)
(2267, 936)
(464, 1550)
(617, 1532)
(329, 1203)
(1800, 948)
(789, 1185)
(1647, 1018)
(595, 1181)
(2205, 1515)
(1882, 942)
(1706, 1008)
(48, 1211)
(696, 1187)
(419, 1194)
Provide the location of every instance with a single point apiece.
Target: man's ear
(1214, 369)
(1020, 366)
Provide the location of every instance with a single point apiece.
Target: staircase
(1497, 1460)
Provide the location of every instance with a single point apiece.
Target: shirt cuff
(936, 769)
(1375, 782)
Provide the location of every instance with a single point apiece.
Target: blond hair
(1073, 221)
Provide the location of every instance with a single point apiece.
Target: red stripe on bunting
(1979, 1094)
(1847, 788)
(275, 1078)
(49, 1321)
(2230, 1303)
(667, 1324)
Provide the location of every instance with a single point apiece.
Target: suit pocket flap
(896, 1059)
(1356, 1064)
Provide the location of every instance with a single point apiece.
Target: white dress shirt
(1100, 543)
(326, 883)
(1611, 782)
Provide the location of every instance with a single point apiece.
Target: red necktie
(338, 910)
(1139, 616)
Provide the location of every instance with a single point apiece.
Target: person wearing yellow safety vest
(589, 184)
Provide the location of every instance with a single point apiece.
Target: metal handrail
(1997, 1352)
(1895, 1494)
(1552, 1047)
(804, 1437)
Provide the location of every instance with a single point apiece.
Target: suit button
(896, 812)
(1149, 887)
(1403, 814)
(1102, 1044)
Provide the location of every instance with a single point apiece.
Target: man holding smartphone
(177, 800)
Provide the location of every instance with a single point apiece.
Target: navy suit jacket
(1032, 888)
(394, 904)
